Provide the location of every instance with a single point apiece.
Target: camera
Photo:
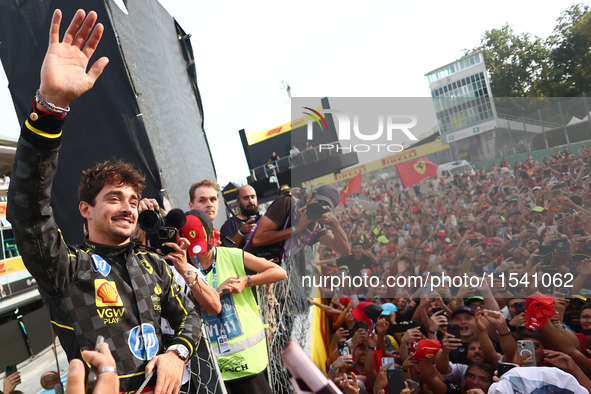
(157, 230)
(150, 221)
(315, 210)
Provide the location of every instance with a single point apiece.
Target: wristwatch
(188, 273)
(180, 351)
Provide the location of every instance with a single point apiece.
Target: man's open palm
(63, 74)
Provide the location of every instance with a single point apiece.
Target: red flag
(352, 186)
(416, 171)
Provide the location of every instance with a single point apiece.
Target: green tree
(514, 62)
(528, 66)
(570, 58)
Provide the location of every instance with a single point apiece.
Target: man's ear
(190, 204)
(84, 208)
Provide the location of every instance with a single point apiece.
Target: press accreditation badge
(223, 344)
(226, 324)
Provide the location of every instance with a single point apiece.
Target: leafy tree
(570, 57)
(528, 66)
(514, 61)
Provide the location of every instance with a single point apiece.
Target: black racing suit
(117, 292)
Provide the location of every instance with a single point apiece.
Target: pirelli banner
(387, 161)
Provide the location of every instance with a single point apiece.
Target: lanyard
(222, 338)
(214, 272)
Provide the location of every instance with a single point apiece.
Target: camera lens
(149, 221)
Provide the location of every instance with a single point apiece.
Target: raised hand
(63, 73)
(560, 360)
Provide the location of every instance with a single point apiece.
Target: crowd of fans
(523, 234)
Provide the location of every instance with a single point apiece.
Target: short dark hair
(523, 333)
(586, 305)
(484, 367)
(110, 172)
(201, 183)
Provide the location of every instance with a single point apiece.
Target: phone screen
(343, 349)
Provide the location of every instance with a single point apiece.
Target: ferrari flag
(416, 171)
(352, 186)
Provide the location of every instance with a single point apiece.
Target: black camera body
(157, 232)
(315, 210)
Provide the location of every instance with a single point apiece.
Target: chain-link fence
(205, 374)
(284, 308)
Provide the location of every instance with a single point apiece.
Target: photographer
(278, 233)
(204, 294)
(236, 229)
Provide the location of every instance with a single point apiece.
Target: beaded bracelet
(194, 282)
(50, 107)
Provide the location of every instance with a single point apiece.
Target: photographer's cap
(328, 193)
(199, 231)
(285, 189)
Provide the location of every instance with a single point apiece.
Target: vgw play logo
(388, 123)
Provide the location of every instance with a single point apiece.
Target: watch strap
(181, 351)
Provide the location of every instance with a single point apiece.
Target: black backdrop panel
(120, 116)
(103, 122)
(38, 328)
(14, 347)
(162, 67)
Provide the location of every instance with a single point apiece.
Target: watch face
(188, 273)
(184, 353)
(181, 351)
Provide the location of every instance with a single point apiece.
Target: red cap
(442, 235)
(199, 231)
(416, 209)
(358, 314)
(426, 349)
(448, 247)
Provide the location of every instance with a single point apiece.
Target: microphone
(176, 218)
